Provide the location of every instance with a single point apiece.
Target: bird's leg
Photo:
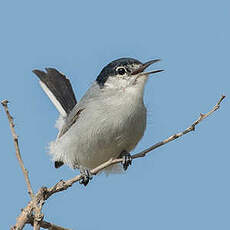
(127, 159)
(86, 175)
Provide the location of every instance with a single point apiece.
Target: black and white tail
(58, 89)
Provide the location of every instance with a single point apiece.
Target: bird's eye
(121, 70)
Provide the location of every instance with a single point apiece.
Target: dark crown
(110, 69)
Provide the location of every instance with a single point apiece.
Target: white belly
(102, 132)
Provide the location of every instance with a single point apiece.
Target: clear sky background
(183, 185)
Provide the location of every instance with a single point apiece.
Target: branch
(177, 135)
(44, 193)
(46, 225)
(18, 155)
(34, 207)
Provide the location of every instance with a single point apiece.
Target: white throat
(123, 83)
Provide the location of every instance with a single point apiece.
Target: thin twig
(18, 155)
(44, 193)
(175, 136)
(46, 225)
(24, 170)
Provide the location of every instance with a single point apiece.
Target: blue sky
(183, 185)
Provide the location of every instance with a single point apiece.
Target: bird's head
(125, 72)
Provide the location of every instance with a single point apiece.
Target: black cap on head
(110, 69)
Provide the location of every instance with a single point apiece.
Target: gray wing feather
(89, 97)
(68, 124)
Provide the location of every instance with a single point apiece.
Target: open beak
(146, 65)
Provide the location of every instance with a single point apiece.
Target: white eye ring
(121, 70)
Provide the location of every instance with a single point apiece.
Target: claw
(126, 160)
(86, 176)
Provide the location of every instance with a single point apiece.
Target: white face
(124, 77)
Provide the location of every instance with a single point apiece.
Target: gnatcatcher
(106, 123)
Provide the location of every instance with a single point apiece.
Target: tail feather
(58, 164)
(58, 89)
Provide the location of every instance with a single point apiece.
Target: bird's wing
(69, 123)
(89, 98)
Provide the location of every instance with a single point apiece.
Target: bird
(108, 121)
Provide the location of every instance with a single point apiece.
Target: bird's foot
(126, 159)
(86, 176)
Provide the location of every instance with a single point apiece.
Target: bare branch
(175, 136)
(44, 193)
(46, 225)
(37, 210)
(18, 155)
(23, 217)
(37, 224)
(51, 226)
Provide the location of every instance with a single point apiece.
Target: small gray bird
(106, 123)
